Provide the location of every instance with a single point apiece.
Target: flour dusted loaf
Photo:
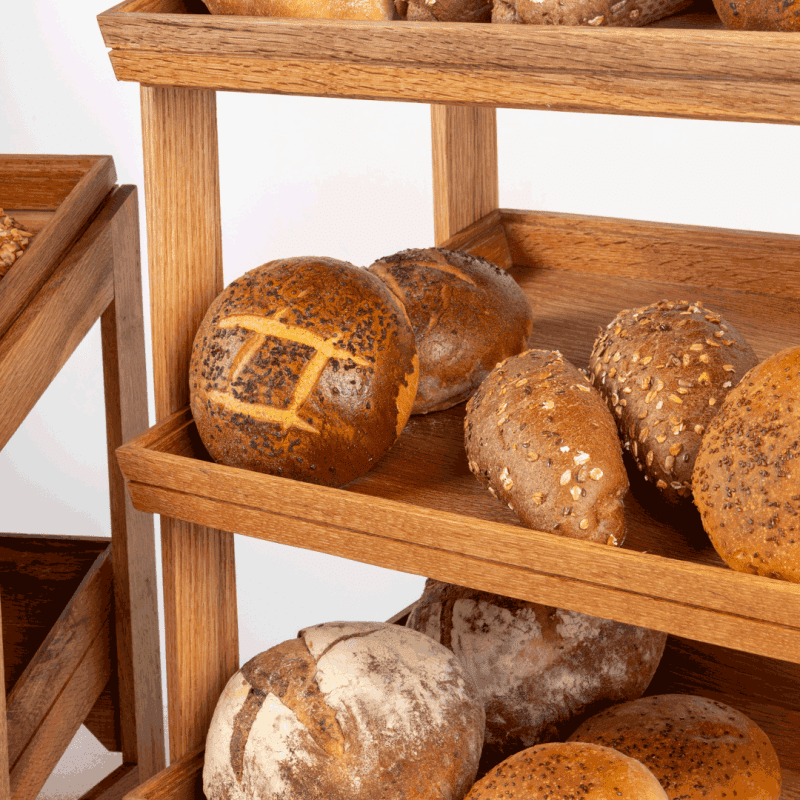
(304, 367)
(597, 13)
(568, 771)
(319, 9)
(541, 438)
(746, 479)
(696, 747)
(347, 711)
(664, 370)
(467, 313)
(539, 669)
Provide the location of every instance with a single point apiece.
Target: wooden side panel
(56, 660)
(185, 260)
(103, 717)
(182, 780)
(5, 785)
(465, 181)
(116, 785)
(74, 188)
(132, 533)
(485, 238)
(57, 730)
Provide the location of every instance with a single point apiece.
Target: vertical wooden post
(465, 182)
(5, 783)
(185, 265)
(132, 534)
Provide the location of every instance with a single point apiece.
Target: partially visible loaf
(14, 240)
(319, 9)
(597, 13)
(540, 437)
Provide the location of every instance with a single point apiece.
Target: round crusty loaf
(538, 668)
(695, 746)
(626, 13)
(568, 771)
(449, 10)
(304, 367)
(664, 370)
(347, 711)
(758, 15)
(467, 315)
(541, 438)
(746, 479)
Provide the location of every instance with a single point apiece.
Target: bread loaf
(449, 10)
(758, 15)
(696, 747)
(467, 315)
(568, 771)
(540, 437)
(14, 240)
(597, 13)
(539, 669)
(746, 479)
(319, 9)
(347, 711)
(664, 370)
(304, 367)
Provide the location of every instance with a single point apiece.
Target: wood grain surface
(5, 784)
(185, 263)
(71, 189)
(138, 662)
(116, 785)
(658, 71)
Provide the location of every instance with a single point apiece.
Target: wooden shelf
(686, 66)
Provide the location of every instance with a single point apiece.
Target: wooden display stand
(735, 637)
(79, 615)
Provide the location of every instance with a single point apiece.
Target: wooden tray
(57, 599)
(420, 510)
(55, 197)
(685, 66)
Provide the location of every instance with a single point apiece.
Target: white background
(347, 179)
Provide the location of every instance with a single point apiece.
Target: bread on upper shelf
(14, 240)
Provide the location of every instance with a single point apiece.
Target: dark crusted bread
(540, 437)
(568, 771)
(304, 367)
(624, 13)
(746, 479)
(347, 711)
(449, 10)
(467, 314)
(696, 747)
(539, 669)
(664, 370)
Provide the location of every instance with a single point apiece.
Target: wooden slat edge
(63, 649)
(5, 785)
(712, 587)
(179, 781)
(115, 786)
(485, 238)
(528, 583)
(42, 257)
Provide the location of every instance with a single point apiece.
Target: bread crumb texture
(539, 669)
(695, 746)
(348, 711)
(540, 438)
(664, 370)
(746, 480)
(568, 771)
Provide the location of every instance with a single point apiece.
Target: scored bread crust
(567, 771)
(664, 370)
(467, 313)
(542, 440)
(746, 479)
(305, 368)
(538, 668)
(695, 746)
(347, 711)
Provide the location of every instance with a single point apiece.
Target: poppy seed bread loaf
(695, 746)
(467, 313)
(597, 13)
(538, 668)
(305, 368)
(746, 479)
(347, 711)
(540, 437)
(664, 370)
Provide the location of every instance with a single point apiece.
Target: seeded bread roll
(542, 440)
(467, 315)
(14, 240)
(538, 668)
(449, 10)
(696, 747)
(319, 9)
(746, 479)
(304, 367)
(347, 711)
(664, 370)
(626, 13)
(567, 771)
